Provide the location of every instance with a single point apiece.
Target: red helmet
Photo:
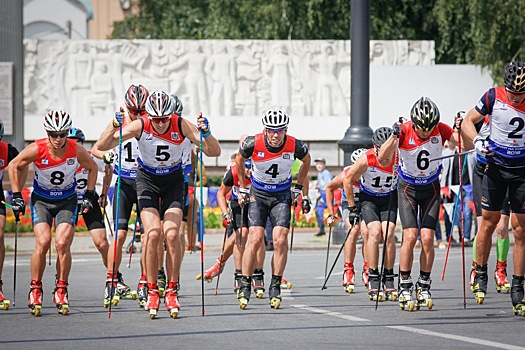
(136, 97)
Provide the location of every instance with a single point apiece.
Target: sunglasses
(57, 135)
(275, 131)
(161, 119)
(134, 111)
(521, 93)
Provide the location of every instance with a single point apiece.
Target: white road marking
(331, 313)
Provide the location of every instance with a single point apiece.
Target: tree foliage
(488, 33)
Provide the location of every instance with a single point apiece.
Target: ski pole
(117, 208)
(240, 229)
(17, 219)
(222, 257)
(327, 250)
(293, 225)
(461, 218)
(339, 253)
(201, 223)
(381, 271)
(192, 233)
(459, 154)
(132, 248)
(109, 222)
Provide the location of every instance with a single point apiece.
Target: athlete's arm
(221, 198)
(18, 167)
(337, 182)
(301, 153)
(89, 164)
(245, 152)
(110, 137)
(468, 127)
(210, 145)
(386, 152)
(353, 174)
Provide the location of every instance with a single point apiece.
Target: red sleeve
(446, 131)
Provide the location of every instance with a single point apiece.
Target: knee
(62, 247)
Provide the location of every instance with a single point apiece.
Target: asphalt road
(309, 318)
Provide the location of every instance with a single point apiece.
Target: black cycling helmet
(381, 135)
(424, 114)
(515, 76)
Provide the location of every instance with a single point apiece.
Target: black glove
(18, 204)
(296, 192)
(354, 214)
(307, 206)
(90, 197)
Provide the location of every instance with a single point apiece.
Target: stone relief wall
(88, 78)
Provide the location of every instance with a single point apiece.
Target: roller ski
(517, 296)
(349, 278)
(285, 283)
(405, 295)
(171, 300)
(123, 289)
(364, 275)
(423, 296)
(4, 303)
(153, 303)
(390, 291)
(258, 283)
(111, 294)
(480, 283)
(373, 286)
(142, 292)
(243, 296)
(274, 293)
(34, 301)
(472, 276)
(237, 275)
(213, 271)
(161, 281)
(500, 277)
(60, 297)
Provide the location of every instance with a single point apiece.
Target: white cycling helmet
(57, 121)
(159, 104)
(356, 154)
(275, 119)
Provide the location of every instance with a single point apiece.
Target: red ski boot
(171, 301)
(35, 297)
(213, 271)
(60, 297)
(500, 276)
(349, 277)
(4, 303)
(153, 303)
(472, 276)
(364, 275)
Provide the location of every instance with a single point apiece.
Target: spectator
(323, 178)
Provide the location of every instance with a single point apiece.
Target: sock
(502, 248)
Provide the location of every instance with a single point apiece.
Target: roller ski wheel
(34, 301)
(374, 296)
(142, 293)
(349, 288)
(161, 281)
(274, 292)
(153, 302)
(407, 306)
(60, 298)
(275, 303)
(389, 290)
(373, 286)
(425, 303)
(5, 304)
(500, 277)
(406, 303)
(109, 297)
(423, 297)
(391, 295)
(243, 302)
(171, 300)
(258, 283)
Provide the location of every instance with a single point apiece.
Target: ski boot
(237, 281)
(274, 293)
(243, 296)
(389, 289)
(472, 276)
(213, 271)
(500, 276)
(60, 297)
(480, 283)
(258, 283)
(123, 289)
(423, 297)
(161, 281)
(35, 297)
(517, 295)
(153, 303)
(142, 291)
(349, 278)
(286, 283)
(364, 275)
(405, 294)
(373, 285)
(4, 303)
(111, 294)
(171, 300)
